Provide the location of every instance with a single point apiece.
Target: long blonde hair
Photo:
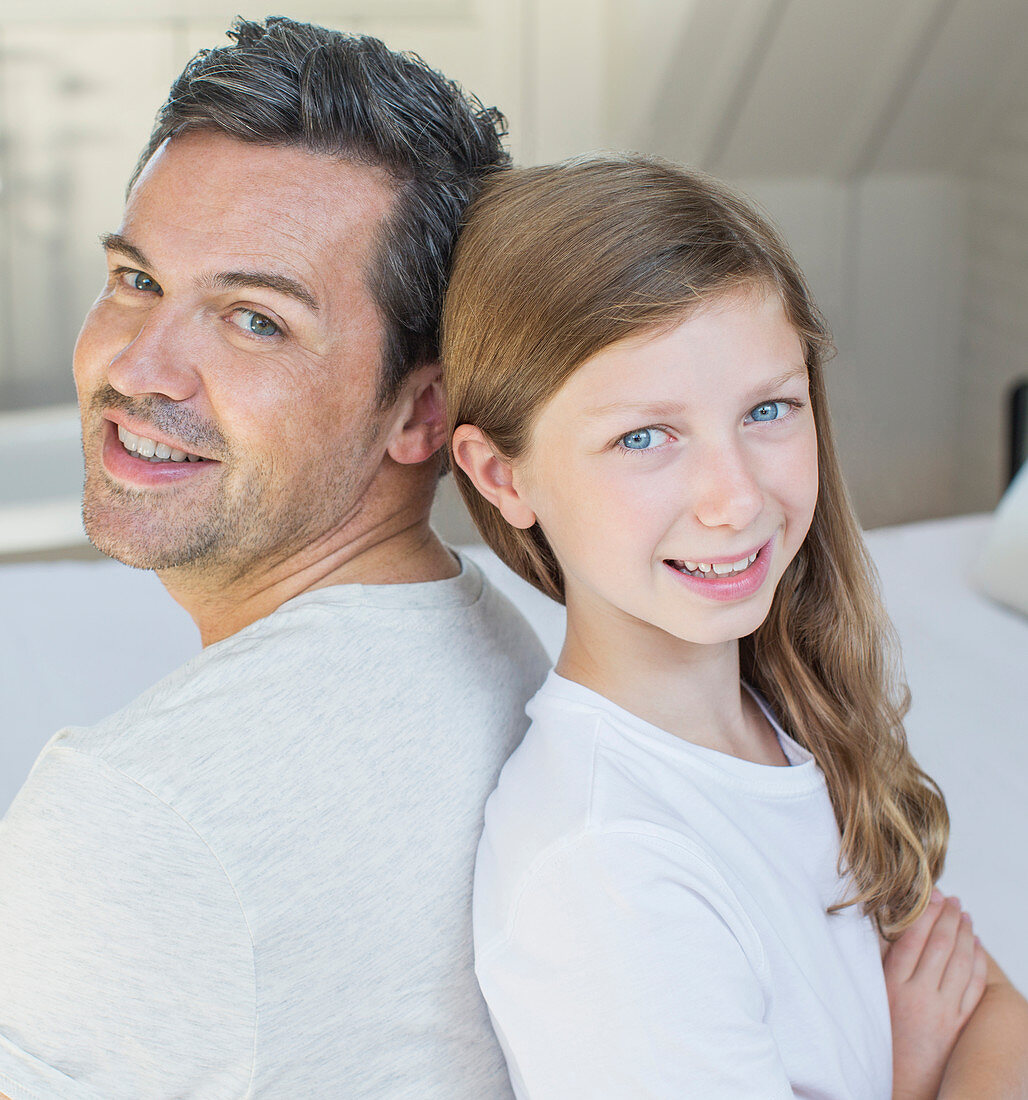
(558, 262)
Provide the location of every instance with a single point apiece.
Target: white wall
(885, 256)
(995, 346)
(80, 81)
(888, 139)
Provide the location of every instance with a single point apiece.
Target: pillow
(1002, 571)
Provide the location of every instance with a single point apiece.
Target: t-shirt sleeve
(126, 964)
(628, 969)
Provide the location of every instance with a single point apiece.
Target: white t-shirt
(650, 920)
(255, 879)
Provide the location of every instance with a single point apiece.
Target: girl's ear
(491, 475)
(421, 418)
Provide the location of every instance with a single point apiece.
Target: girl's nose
(726, 490)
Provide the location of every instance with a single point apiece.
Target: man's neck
(395, 553)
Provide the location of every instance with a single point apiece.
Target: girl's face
(675, 475)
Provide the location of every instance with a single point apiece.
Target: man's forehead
(241, 207)
(209, 156)
(223, 184)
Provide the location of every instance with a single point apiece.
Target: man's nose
(157, 358)
(725, 486)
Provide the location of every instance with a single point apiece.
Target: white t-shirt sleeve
(628, 969)
(126, 964)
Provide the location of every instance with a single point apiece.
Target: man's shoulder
(465, 611)
(337, 678)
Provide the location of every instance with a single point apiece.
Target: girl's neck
(692, 691)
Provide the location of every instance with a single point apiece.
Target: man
(254, 880)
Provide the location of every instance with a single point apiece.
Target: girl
(686, 864)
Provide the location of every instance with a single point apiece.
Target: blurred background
(887, 138)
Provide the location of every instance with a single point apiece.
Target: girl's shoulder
(581, 746)
(582, 791)
(569, 828)
(593, 792)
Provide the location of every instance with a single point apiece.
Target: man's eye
(254, 323)
(139, 280)
(643, 439)
(770, 410)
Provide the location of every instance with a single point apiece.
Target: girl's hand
(935, 977)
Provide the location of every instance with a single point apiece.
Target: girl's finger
(976, 985)
(939, 946)
(958, 970)
(903, 955)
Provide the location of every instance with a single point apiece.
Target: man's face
(228, 372)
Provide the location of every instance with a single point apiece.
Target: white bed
(81, 638)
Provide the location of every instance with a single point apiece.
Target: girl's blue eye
(643, 439)
(769, 410)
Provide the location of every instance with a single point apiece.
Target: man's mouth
(152, 451)
(706, 570)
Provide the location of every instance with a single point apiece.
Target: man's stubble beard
(137, 529)
(235, 527)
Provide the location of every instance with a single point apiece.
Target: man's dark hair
(288, 83)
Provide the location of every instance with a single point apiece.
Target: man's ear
(420, 417)
(491, 475)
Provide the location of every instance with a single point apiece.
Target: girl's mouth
(725, 581)
(706, 570)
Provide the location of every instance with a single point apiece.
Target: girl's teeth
(703, 568)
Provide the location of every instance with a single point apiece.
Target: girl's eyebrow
(665, 409)
(657, 410)
(799, 371)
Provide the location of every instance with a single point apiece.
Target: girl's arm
(960, 1029)
(935, 975)
(990, 1059)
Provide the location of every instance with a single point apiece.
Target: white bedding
(80, 639)
(966, 660)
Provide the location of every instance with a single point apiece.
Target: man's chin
(140, 544)
(137, 555)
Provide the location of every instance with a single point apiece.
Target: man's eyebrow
(115, 242)
(263, 280)
(223, 280)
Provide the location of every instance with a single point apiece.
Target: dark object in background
(1018, 427)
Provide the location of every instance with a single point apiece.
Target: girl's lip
(738, 586)
(728, 559)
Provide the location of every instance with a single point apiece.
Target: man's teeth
(719, 569)
(150, 449)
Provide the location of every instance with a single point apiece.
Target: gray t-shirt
(255, 879)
